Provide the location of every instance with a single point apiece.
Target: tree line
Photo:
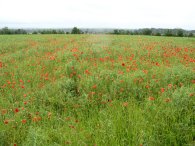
(75, 30)
(6, 30)
(154, 32)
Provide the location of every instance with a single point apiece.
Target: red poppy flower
(52, 57)
(23, 121)
(151, 98)
(94, 86)
(6, 121)
(147, 86)
(145, 71)
(157, 64)
(1, 64)
(87, 72)
(162, 90)
(16, 110)
(35, 119)
(3, 111)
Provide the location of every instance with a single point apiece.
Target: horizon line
(96, 28)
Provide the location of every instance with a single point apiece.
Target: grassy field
(97, 90)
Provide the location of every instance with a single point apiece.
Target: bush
(168, 32)
(180, 33)
(146, 31)
(190, 34)
(75, 30)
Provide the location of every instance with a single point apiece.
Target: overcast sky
(97, 13)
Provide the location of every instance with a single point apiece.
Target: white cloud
(98, 13)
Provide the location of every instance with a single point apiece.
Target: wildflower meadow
(97, 90)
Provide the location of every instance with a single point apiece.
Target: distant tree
(121, 31)
(48, 31)
(75, 30)
(5, 30)
(53, 31)
(180, 33)
(35, 32)
(60, 32)
(168, 32)
(136, 32)
(127, 32)
(157, 34)
(86, 31)
(19, 31)
(190, 34)
(131, 33)
(116, 31)
(42, 31)
(146, 31)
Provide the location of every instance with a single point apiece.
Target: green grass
(102, 90)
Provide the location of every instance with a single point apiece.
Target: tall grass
(96, 90)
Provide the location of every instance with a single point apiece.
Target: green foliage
(6, 30)
(157, 34)
(147, 31)
(116, 31)
(190, 34)
(168, 32)
(75, 30)
(35, 32)
(180, 33)
(49, 31)
(121, 32)
(112, 90)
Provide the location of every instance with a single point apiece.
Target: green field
(97, 90)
